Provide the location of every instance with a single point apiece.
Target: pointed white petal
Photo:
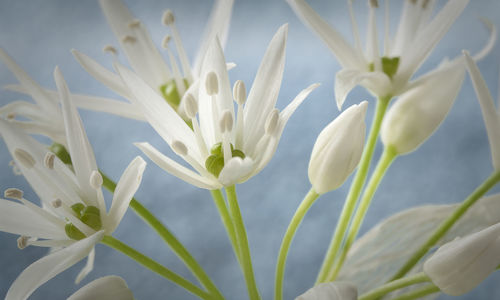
(125, 190)
(217, 26)
(407, 29)
(89, 266)
(491, 118)
(236, 170)
(49, 266)
(104, 288)
(25, 109)
(176, 169)
(265, 89)
(377, 83)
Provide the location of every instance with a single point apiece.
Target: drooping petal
(104, 288)
(125, 190)
(345, 80)
(265, 89)
(235, 170)
(217, 26)
(49, 266)
(176, 169)
(347, 56)
(491, 118)
(89, 266)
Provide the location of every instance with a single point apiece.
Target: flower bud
(337, 290)
(338, 149)
(108, 287)
(459, 266)
(419, 111)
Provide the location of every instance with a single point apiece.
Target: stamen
(166, 40)
(168, 18)
(110, 49)
(212, 84)
(24, 158)
(226, 121)
(22, 242)
(179, 148)
(56, 203)
(190, 106)
(13, 193)
(129, 39)
(239, 92)
(48, 160)
(11, 116)
(374, 3)
(425, 3)
(413, 2)
(134, 24)
(95, 180)
(272, 122)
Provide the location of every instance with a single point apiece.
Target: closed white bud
(337, 290)
(109, 287)
(459, 266)
(338, 149)
(419, 112)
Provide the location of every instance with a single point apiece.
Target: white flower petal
(49, 266)
(491, 118)
(236, 170)
(176, 169)
(347, 56)
(338, 290)
(345, 80)
(265, 89)
(89, 266)
(125, 190)
(104, 288)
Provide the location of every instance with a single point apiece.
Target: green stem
(385, 161)
(418, 293)
(355, 190)
(241, 235)
(287, 240)
(169, 238)
(395, 285)
(227, 221)
(448, 223)
(154, 266)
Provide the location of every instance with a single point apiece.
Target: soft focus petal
(89, 266)
(104, 288)
(337, 290)
(235, 170)
(345, 80)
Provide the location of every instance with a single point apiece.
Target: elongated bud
(459, 266)
(419, 112)
(212, 84)
(337, 290)
(239, 92)
(338, 149)
(24, 158)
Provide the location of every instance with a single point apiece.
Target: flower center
(389, 65)
(215, 162)
(170, 92)
(89, 215)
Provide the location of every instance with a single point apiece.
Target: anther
(425, 3)
(13, 193)
(212, 84)
(374, 3)
(272, 121)
(110, 49)
(134, 24)
(165, 41)
(179, 148)
(190, 106)
(24, 158)
(22, 242)
(95, 180)
(226, 121)
(11, 116)
(48, 160)
(168, 18)
(129, 39)
(239, 92)
(56, 203)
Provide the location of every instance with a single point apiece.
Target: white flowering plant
(213, 135)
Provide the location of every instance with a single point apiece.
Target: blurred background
(447, 168)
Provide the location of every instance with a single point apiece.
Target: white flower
(222, 149)
(337, 290)
(388, 73)
(73, 213)
(491, 114)
(459, 266)
(168, 80)
(104, 288)
(338, 149)
(419, 112)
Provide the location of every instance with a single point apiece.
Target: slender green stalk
(418, 293)
(241, 235)
(448, 223)
(287, 240)
(385, 161)
(154, 266)
(356, 186)
(169, 238)
(227, 221)
(395, 285)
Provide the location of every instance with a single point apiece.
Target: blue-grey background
(39, 35)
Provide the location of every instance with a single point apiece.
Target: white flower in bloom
(338, 149)
(73, 214)
(337, 290)
(168, 80)
(419, 111)
(491, 115)
(387, 73)
(104, 288)
(459, 266)
(223, 150)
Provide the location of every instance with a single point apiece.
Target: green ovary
(170, 92)
(215, 162)
(89, 215)
(389, 66)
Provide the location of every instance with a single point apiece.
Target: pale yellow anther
(179, 148)
(272, 121)
(13, 193)
(226, 121)
(48, 160)
(168, 18)
(129, 39)
(134, 24)
(95, 180)
(239, 92)
(24, 158)
(165, 41)
(56, 203)
(110, 49)
(22, 242)
(190, 106)
(374, 3)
